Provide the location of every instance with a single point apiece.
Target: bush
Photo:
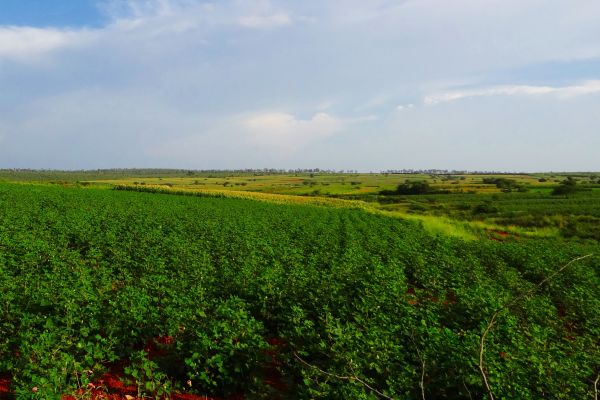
(419, 187)
(485, 208)
(505, 184)
(566, 187)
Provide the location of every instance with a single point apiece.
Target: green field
(207, 294)
(466, 206)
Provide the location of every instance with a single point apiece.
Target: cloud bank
(564, 92)
(27, 44)
(337, 84)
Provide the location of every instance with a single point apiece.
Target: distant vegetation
(566, 187)
(411, 188)
(505, 184)
(547, 204)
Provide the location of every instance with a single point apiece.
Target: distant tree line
(448, 172)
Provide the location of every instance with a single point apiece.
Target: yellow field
(238, 194)
(326, 184)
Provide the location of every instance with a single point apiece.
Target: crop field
(331, 184)
(114, 293)
(461, 205)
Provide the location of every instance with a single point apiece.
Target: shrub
(566, 187)
(486, 207)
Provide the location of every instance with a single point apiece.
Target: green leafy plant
(146, 376)
(233, 293)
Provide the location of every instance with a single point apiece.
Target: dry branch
(343, 377)
(422, 383)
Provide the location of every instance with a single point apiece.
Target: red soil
(412, 299)
(5, 387)
(112, 386)
(500, 235)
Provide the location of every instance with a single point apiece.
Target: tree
(566, 187)
(419, 187)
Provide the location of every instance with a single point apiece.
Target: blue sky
(44, 13)
(343, 84)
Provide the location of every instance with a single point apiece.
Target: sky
(503, 85)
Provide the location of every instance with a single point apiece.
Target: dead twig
(506, 306)
(343, 377)
(422, 359)
(422, 384)
(467, 389)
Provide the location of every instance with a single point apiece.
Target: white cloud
(264, 139)
(137, 9)
(325, 105)
(585, 88)
(287, 132)
(265, 21)
(494, 133)
(255, 14)
(29, 44)
(144, 21)
(374, 102)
